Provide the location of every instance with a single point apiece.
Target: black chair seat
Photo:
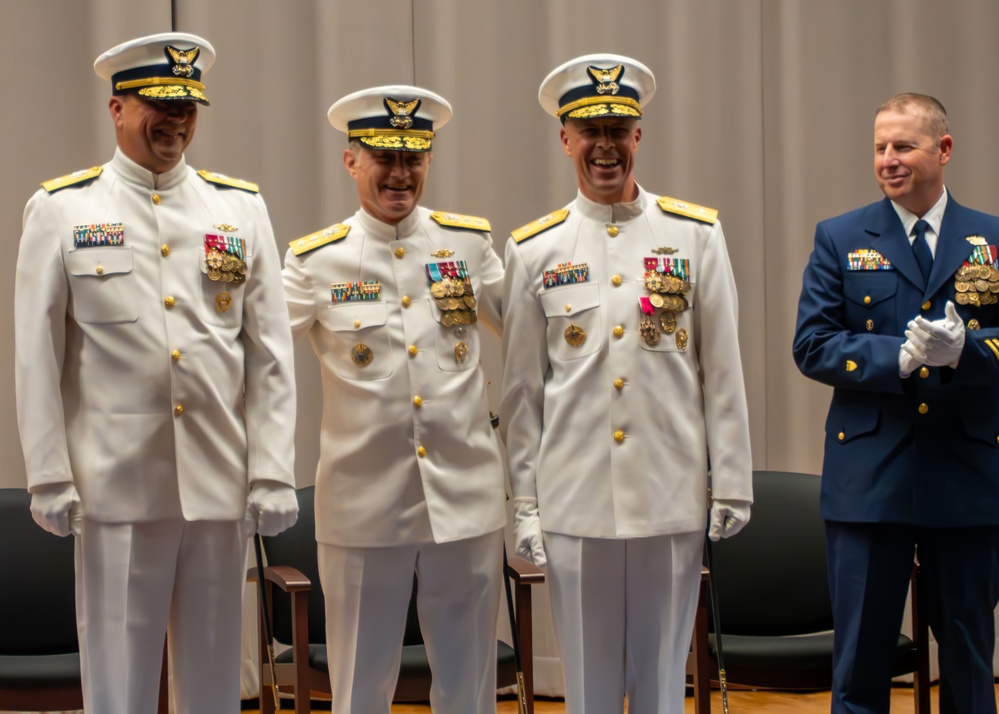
(40, 671)
(802, 662)
(414, 675)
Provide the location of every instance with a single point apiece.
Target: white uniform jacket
(139, 381)
(406, 435)
(613, 434)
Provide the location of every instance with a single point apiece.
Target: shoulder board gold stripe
(71, 179)
(992, 346)
(457, 220)
(224, 180)
(319, 238)
(540, 225)
(690, 210)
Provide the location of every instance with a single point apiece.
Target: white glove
(527, 540)
(56, 508)
(727, 518)
(908, 362)
(273, 506)
(937, 343)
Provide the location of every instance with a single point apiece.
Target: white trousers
(367, 593)
(136, 584)
(623, 613)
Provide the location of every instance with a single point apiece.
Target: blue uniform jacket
(922, 450)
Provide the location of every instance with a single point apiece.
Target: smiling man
(898, 313)
(622, 376)
(155, 388)
(410, 476)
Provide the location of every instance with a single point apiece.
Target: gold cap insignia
(183, 60)
(606, 79)
(402, 112)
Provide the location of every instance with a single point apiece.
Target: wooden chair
(39, 651)
(298, 619)
(773, 595)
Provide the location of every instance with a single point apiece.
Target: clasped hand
(936, 343)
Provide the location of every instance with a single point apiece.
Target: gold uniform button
(400, 251)
(974, 325)
(927, 305)
(421, 452)
(178, 410)
(175, 355)
(923, 408)
(867, 299)
(619, 383)
(156, 199)
(841, 436)
(616, 281)
(618, 331)
(924, 372)
(568, 308)
(413, 350)
(619, 436)
(357, 323)
(100, 270)
(997, 439)
(417, 401)
(169, 301)
(406, 301)
(164, 250)
(612, 231)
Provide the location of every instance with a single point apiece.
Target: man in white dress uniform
(622, 377)
(410, 474)
(155, 388)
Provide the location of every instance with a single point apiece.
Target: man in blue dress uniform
(898, 313)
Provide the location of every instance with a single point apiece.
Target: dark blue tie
(921, 249)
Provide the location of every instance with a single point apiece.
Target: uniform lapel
(891, 242)
(952, 248)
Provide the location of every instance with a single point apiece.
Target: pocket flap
(99, 261)
(570, 300)
(351, 316)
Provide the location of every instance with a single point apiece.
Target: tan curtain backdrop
(764, 110)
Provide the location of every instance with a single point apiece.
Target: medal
(223, 301)
(649, 332)
(460, 352)
(574, 335)
(361, 354)
(681, 339)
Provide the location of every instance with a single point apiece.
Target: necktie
(921, 249)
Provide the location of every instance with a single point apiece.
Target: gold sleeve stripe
(690, 210)
(73, 178)
(993, 344)
(540, 225)
(456, 220)
(224, 180)
(319, 238)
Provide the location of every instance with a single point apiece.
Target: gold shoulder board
(456, 220)
(542, 224)
(224, 180)
(70, 179)
(319, 238)
(690, 210)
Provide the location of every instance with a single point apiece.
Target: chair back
(771, 578)
(40, 612)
